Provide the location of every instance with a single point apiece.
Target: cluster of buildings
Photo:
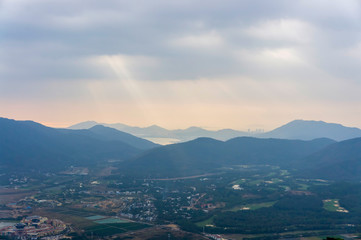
(34, 227)
(29, 202)
(140, 209)
(129, 204)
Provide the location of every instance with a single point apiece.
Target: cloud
(189, 39)
(206, 41)
(163, 52)
(286, 31)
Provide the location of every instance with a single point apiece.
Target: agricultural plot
(274, 181)
(303, 187)
(114, 228)
(239, 181)
(95, 217)
(254, 206)
(97, 225)
(206, 222)
(333, 205)
(111, 220)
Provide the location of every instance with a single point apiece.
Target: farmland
(267, 198)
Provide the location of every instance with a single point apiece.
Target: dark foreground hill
(30, 145)
(205, 155)
(338, 161)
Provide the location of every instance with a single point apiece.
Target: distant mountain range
(165, 136)
(26, 144)
(298, 129)
(308, 130)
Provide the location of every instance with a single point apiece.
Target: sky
(214, 64)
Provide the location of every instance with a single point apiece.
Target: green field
(287, 188)
(114, 228)
(96, 217)
(333, 205)
(239, 181)
(276, 180)
(92, 224)
(272, 174)
(255, 182)
(204, 223)
(104, 230)
(303, 186)
(253, 206)
(111, 220)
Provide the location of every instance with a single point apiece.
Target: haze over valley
(198, 184)
(144, 120)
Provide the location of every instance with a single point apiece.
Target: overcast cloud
(259, 63)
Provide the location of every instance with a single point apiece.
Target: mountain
(30, 145)
(196, 132)
(308, 130)
(156, 133)
(338, 161)
(297, 129)
(111, 134)
(205, 155)
(83, 125)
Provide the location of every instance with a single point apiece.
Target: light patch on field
(237, 187)
(333, 205)
(254, 206)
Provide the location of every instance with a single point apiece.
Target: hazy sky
(215, 64)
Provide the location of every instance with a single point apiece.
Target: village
(88, 205)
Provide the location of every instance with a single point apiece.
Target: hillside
(111, 134)
(339, 161)
(30, 145)
(205, 155)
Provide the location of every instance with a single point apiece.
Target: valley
(180, 120)
(253, 201)
(105, 184)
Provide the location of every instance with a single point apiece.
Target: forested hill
(204, 155)
(110, 134)
(339, 161)
(30, 145)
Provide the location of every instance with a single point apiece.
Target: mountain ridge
(27, 144)
(302, 129)
(297, 129)
(204, 155)
(340, 161)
